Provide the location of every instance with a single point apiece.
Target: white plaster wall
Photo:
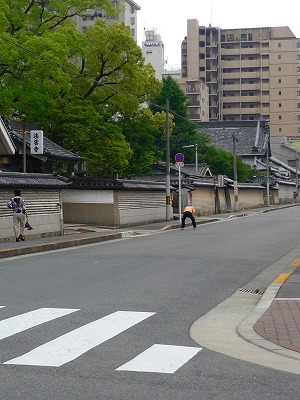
(87, 196)
(145, 215)
(44, 225)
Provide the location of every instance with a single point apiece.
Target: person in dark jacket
(17, 205)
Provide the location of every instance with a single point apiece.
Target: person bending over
(188, 212)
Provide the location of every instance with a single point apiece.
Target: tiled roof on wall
(27, 180)
(51, 150)
(249, 141)
(76, 182)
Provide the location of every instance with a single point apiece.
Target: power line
(43, 58)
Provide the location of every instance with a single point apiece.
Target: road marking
(75, 343)
(2, 306)
(282, 278)
(22, 322)
(295, 263)
(161, 358)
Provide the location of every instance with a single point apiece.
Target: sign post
(179, 158)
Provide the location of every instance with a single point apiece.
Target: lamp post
(196, 150)
(168, 184)
(235, 186)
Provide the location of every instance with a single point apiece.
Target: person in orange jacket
(188, 212)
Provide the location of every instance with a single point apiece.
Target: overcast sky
(169, 17)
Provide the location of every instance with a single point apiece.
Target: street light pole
(196, 150)
(235, 186)
(168, 179)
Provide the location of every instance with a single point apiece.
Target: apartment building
(153, 52)
(252, 73)
(127, 15)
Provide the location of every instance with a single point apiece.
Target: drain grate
(251, 291)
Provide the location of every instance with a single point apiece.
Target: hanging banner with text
(36, 142)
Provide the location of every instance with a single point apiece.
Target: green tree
(184, 131)
(75, 84)
(143, 130)
(221, 162)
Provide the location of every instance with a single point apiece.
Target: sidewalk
(275, 322)
(280, 322)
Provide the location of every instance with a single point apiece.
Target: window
(279, 44)
(279, 105)
(246, 36)
(298, 92)
(298, 130)
(298, 105)
(298, 117)
(229, 38)
(298, 81)
(279, 56)
(280, 130)
(191, 88)
(279, 68)
(292, 163)
(279, 117)
(279, 93)
(279, 80)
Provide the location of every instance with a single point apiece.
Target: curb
(246, 328)
(177, 226)
(38, 248)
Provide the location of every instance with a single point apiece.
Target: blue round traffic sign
(179, 157)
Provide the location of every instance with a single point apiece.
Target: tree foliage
(220, 162)
(77, 85)
(183, 131)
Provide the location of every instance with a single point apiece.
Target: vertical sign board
(36, 142)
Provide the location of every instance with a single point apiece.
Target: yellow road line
(282, 278)
(4, 250)
(295, 263)
(44, 244)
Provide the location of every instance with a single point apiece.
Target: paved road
(93, 322)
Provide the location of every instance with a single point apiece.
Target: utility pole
(235, 186)
(297, 191)
(267, 132)
(24, 149)
(168, 183)
(268, 178)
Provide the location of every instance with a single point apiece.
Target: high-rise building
(153, 51)
(252, 73)
(127, 15)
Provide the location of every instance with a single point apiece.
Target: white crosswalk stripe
(158, 358)
(22, 322)
(75, 343)
(161, 358)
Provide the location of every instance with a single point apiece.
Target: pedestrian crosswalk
(71, 345)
